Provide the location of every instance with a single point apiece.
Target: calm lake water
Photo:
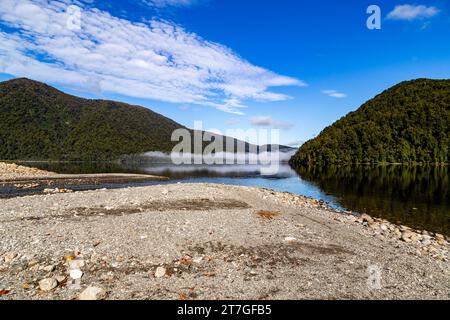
(416, 196)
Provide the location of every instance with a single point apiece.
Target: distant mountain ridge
(39, 122)
(407, 123)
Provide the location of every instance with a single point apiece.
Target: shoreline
(227, 242)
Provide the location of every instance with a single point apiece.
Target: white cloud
(158, 60)
(262, 121)
(334, 94)
(267, 121)
(412, 12)
(295, 144)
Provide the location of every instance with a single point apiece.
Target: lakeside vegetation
(408, 123)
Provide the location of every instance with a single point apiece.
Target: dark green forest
(38, 122)
(408, 123)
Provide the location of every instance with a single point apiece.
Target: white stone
(49, 268)
(76, 264)
(198, 260)
(160, 272)
(290, 240)
(48, 284)
(92, 293)
(75, 274)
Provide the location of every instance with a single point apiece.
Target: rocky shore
(12, 171)
(16, 180)
(204, 241)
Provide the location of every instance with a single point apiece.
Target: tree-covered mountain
(407, 123)
(40, 122)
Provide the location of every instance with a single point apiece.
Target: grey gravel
(214, 242)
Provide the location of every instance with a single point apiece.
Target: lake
(417, 196)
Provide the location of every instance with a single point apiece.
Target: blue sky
(290, 64)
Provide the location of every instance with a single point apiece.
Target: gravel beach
(12, 171)
(17, 180)
(204, 241)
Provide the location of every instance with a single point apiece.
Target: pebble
(76, 274)
(160, 272)
(76, 264)
(92, 293)
(32, 263)
(289, 240)
(367, 218)
(439, 236)
(10, 256)
(49, 268)
(48, 284)
(198, 260)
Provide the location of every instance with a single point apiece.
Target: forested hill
(40, 122)
(407, 123)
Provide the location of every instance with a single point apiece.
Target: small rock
(165, 192)
(49, 268)
(60, 278)
(10, 256)
(32, 263)
(160, 272)
(383, 227)
(289, 240)
(439, 236)
(48, 284)
(92, 293)
(198, 260)
(76, 264)
(75, 274)
(407, 236)
(367, 218)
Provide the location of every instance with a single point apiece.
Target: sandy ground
(203, 241)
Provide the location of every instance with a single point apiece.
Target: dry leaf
(2, 292)
(267, 215)
(182, 296)
(26, 286)
(169, 273)
(69, 258)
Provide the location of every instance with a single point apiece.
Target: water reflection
(415, 196)
(418, 196)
